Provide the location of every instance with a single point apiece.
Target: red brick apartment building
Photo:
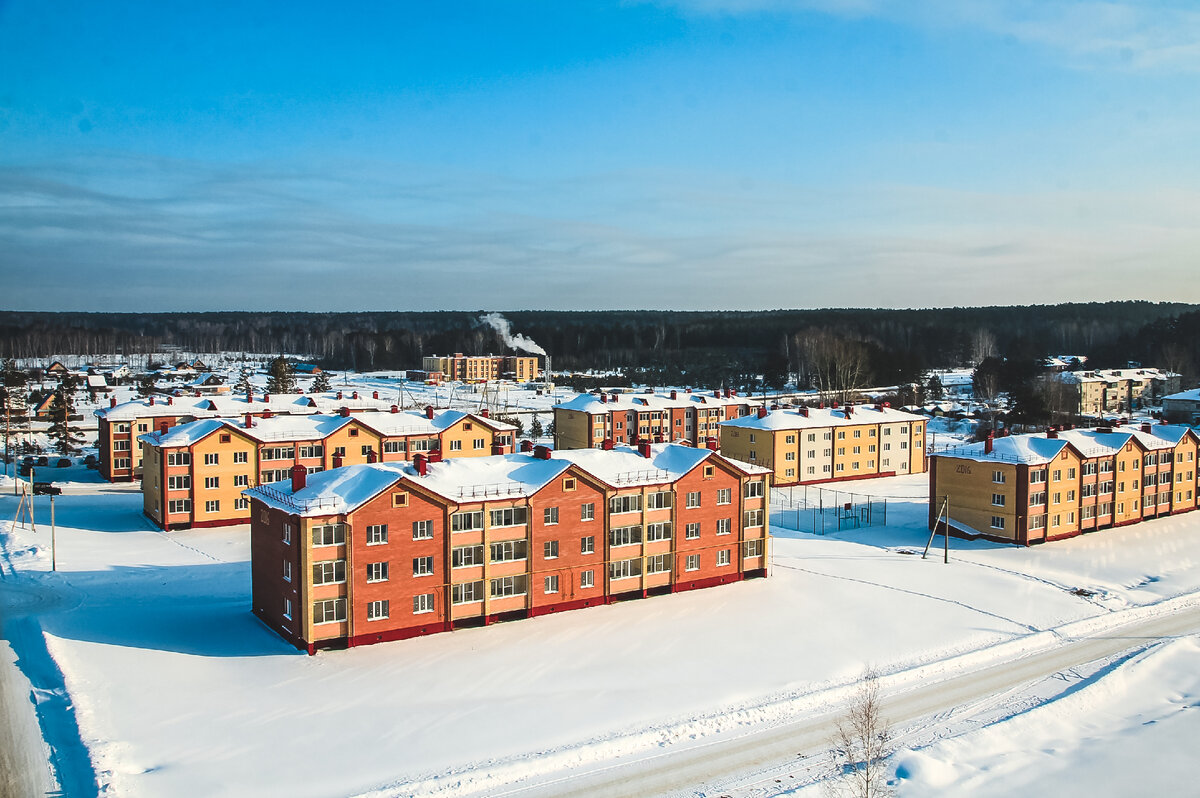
(590, 419)
(1035, 488)
(377, 552)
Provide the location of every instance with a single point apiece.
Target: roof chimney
(1145, 428)
(644, 450)
(339, 396)
(337, 460)
(484, 413)
(299, 478)
(1051, 432)
(435, 455)
(344, 412)
(429, 411)
(497, 449)
(374, 394)
(849, 410)
(887, 404)
(727, 393)
(526, 446)
(541, 452)
(674, 394)
(152, 401)
(163, 426)
(717, 394)
(604, 398)
(658, 438)
(420, 462)
(804, 412)
(988, 442)
(267, 414)
(171, 399)
(711, 443)
(354, 395)
(371, 456)
(762, 412)
(112, 401)
(267, 398)
(395, 409)
(607, 444)
(249, 421)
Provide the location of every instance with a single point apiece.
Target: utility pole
(942, 517)
(53, 547)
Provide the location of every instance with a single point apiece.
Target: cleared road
(693, 767)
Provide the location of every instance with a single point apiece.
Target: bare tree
(861, 745)
(836, 365)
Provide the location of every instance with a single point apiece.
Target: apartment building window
(659, 531)
(508, 551)
(999, 477)
(1106, 487)
(1106, 466)
(329, 535)
(724, 526)
(378, 533)
(693, 499)
(377, 572)
(841, 466)
(841, 450)
(724, 496)
(658, 501)
(752, 548)
(1037, 498)
(1057, 475)
(753, 518)
(212, 506)
(422, 530)
(287, 609)
(841, 435)
(587, 579)
(465, 556)
(857, 450)
(550, 516)
(692, 562)
(287, 570)
(550, 584)
(624, 569)
(465, 522)
(587, 544)
(625, 535)
(121, 446)
(827, 453)
(329, 611)
(479, 443)
(422, 566)
(466, 593)
(755, 489)
(366, 449)
(241, 480)
(550, 549)
(329, 572)
(275, 453)
(212, 458)
(241, 503)
(287, 534)
(625, 504)
(998, 522)
(1037, 521)
(394, 447)
(179, 458)
(723, 557)
(212, 482)
(506, 586)
(456, 446)
(1070, 495)
(179, 483)
(422, 603)
(1057, 498)
(659, 563)
(1089, 469)
(510, 516)
(997, 499)
(377, 610)
(1088, 512)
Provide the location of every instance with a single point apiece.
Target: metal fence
(818, 510)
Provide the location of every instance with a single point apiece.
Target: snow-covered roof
(233, 405)
(342, 490)
(1037, 449)
(1184, 396)
(823, 417)
(591, 403)
(1117, 375)
(96, 381)
(411, 422)
(184, 434)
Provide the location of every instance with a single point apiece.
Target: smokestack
(354, 395)
(267, 414)
(987, 443)
(299, 478)
(267, 398)
(171, 399)
(339, 396)
(1051, 432)
(603, 397)
(717, 394)
(420, 462)
(112, 401)
(658, 438)
(1145, 428)
(804, 412)
(429, 411)
(249, 421)
(849, 410)
(541, 452)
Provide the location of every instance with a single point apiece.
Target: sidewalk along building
(826, 444)
(1033, 488)
(195, 473)
(385, 551)
(589, 419)
(120, 425)
(481, 368)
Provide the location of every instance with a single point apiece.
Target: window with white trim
(466, 593)
(377, 610)
(329, 611)
(329, 572)
(422, 566)
(377, 534)
(422, 603)
(377, 572)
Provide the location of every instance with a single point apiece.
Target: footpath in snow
(175, 689)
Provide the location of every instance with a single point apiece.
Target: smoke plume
(519, 342)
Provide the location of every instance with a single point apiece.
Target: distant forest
(706, 348)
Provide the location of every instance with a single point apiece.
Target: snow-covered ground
(176, 690)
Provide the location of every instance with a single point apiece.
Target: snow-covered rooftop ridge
(412, 422)
(1039, 448)
(592, 403)
(343, 490)
(231, 405)
(823, 417)
(1189, 395)
(1117, 375)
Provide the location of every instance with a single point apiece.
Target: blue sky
(693, 154)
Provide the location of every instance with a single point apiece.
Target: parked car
(63, 462)
(43, 460)
(89, 460)
(46, 489)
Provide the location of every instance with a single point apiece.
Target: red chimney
(497, 449)
(1051, 432)
(435, 455)
(344, 412)
(339, 396)
(674, 394)
(299, 478)
(484, 413)
(887, 404)
(717, 394)
(267, 398)
(711, 443)
(526, 446)
(658, 438)
(607, 444)
(1145, 428)
(762, 412)
(604, 398)
(374, 394)
(163, 426)
(428, 411)
(395, 409)
(249, 421)
(371, 456)
(987, 443)
(354, 395)
(727, 394)
(337, 460)
(112, 401)
(267, 414)
(804, 412)
(644, 450)
(420, 462)
(849, 410)
(541, 452)
(171, 399)
(152, 401)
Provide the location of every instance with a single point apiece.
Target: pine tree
(281, 376)
(66, 440)
(145, 385)
(321, 383)
(244, 387)
(535, 429)
(14, 412)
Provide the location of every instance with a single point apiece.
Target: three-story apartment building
(588, 420)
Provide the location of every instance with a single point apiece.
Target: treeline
(701, 348)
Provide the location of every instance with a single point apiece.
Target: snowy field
(175, 689)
